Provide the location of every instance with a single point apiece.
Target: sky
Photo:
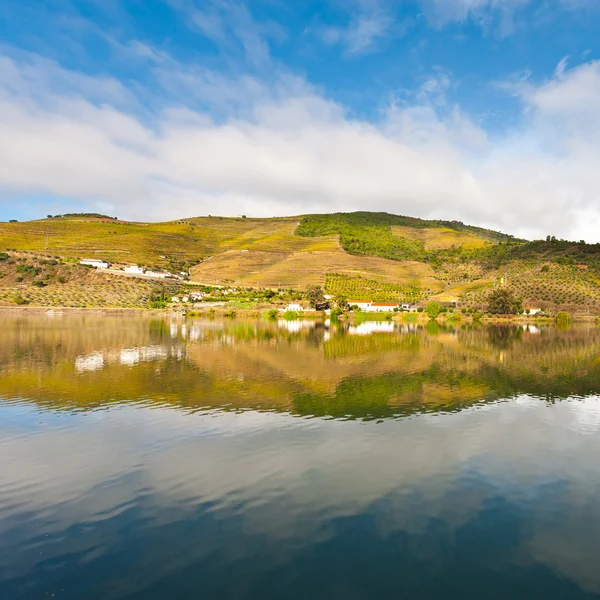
(483, 111)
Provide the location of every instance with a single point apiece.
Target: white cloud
(288, 150)
(360, 35)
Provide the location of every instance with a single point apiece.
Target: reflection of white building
(295, 326)
(89, 362)
(372, 327)
(132, 356)
(531, 329)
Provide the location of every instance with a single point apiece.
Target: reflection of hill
(89, 362)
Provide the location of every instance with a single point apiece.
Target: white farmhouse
(92, 262)
(294, 307)
(362, 304)
(382, 307)
(134, 270)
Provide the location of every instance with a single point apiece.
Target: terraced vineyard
(358, 288)
(549, 286)
(42, 281)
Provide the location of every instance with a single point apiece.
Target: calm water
(167, 459)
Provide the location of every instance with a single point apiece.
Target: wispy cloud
(231, 26)
(360, 35)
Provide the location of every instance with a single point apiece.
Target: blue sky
(480, 110)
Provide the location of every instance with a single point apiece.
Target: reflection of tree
(503, 337)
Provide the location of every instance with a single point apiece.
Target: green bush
(336, 313)
(563, 319)
(4, 256)
(18, 299)
(433, 309)
(271, 314)
(290, 315)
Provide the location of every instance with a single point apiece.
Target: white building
(382, 307)
(195, 296)
(409, 307)
(159, 274)
(533, 311)
(92, 262)
(134, 269)
(295, 307)
(362, 304)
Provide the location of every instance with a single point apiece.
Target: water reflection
(148, 458)
(368, 370)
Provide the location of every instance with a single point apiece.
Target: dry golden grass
(440, 238)
(302, 268)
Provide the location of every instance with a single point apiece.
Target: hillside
(368, 255)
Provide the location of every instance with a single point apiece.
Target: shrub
(433, 309)
(39, 284)
(563, 319)
(18, 299)
(336, 313)
(290, 315)
(270, 314)
(4, 256)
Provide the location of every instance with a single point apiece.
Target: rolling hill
(363, 254)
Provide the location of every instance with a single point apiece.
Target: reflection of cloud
(288, 478)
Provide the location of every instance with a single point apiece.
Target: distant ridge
(399, 256)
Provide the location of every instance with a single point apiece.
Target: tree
(503, 302)
(315, 295)
(342, 303)
(433, 309)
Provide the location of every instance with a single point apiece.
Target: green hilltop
(367, 255)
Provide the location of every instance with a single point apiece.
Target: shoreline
(257, 313)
